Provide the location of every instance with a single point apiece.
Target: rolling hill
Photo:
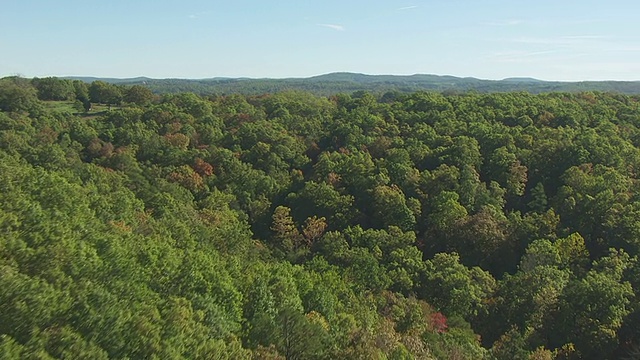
(350, 82)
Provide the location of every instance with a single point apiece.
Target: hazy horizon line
(524, 77)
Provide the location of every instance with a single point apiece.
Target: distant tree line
(19, 94)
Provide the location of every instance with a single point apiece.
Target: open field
(71, 107)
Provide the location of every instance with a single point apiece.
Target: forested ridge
(293, 226)
(330, 84)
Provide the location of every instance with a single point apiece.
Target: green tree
(138, 94)
(390, 208)
(525, 302)
(591, 312)
(104, 93)
(321, 199)
(17, 94)
(298, 338)
(285, 231)
(455, 289)
(52, 88)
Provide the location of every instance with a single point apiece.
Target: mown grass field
(70, 107)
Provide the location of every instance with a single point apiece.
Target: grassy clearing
(71, 108)
(61, 106)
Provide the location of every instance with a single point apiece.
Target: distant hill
(89, 79)
(522, 80)
(350, 82)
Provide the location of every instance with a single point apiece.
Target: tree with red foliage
(202, 167)
(439, 322)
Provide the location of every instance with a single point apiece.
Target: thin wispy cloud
(583, 21)
(551, 56)
(559, 40)
(600, 70)
(510, 22)
(539, 22)
(520, 56)
(627, 48)
(335, 27)
(539, 41)
(197, 15)
(407, 7)
(584, 37)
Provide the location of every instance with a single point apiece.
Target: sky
(565, 40)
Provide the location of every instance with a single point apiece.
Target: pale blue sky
(489, 39)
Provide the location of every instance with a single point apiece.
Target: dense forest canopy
(293, 226)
